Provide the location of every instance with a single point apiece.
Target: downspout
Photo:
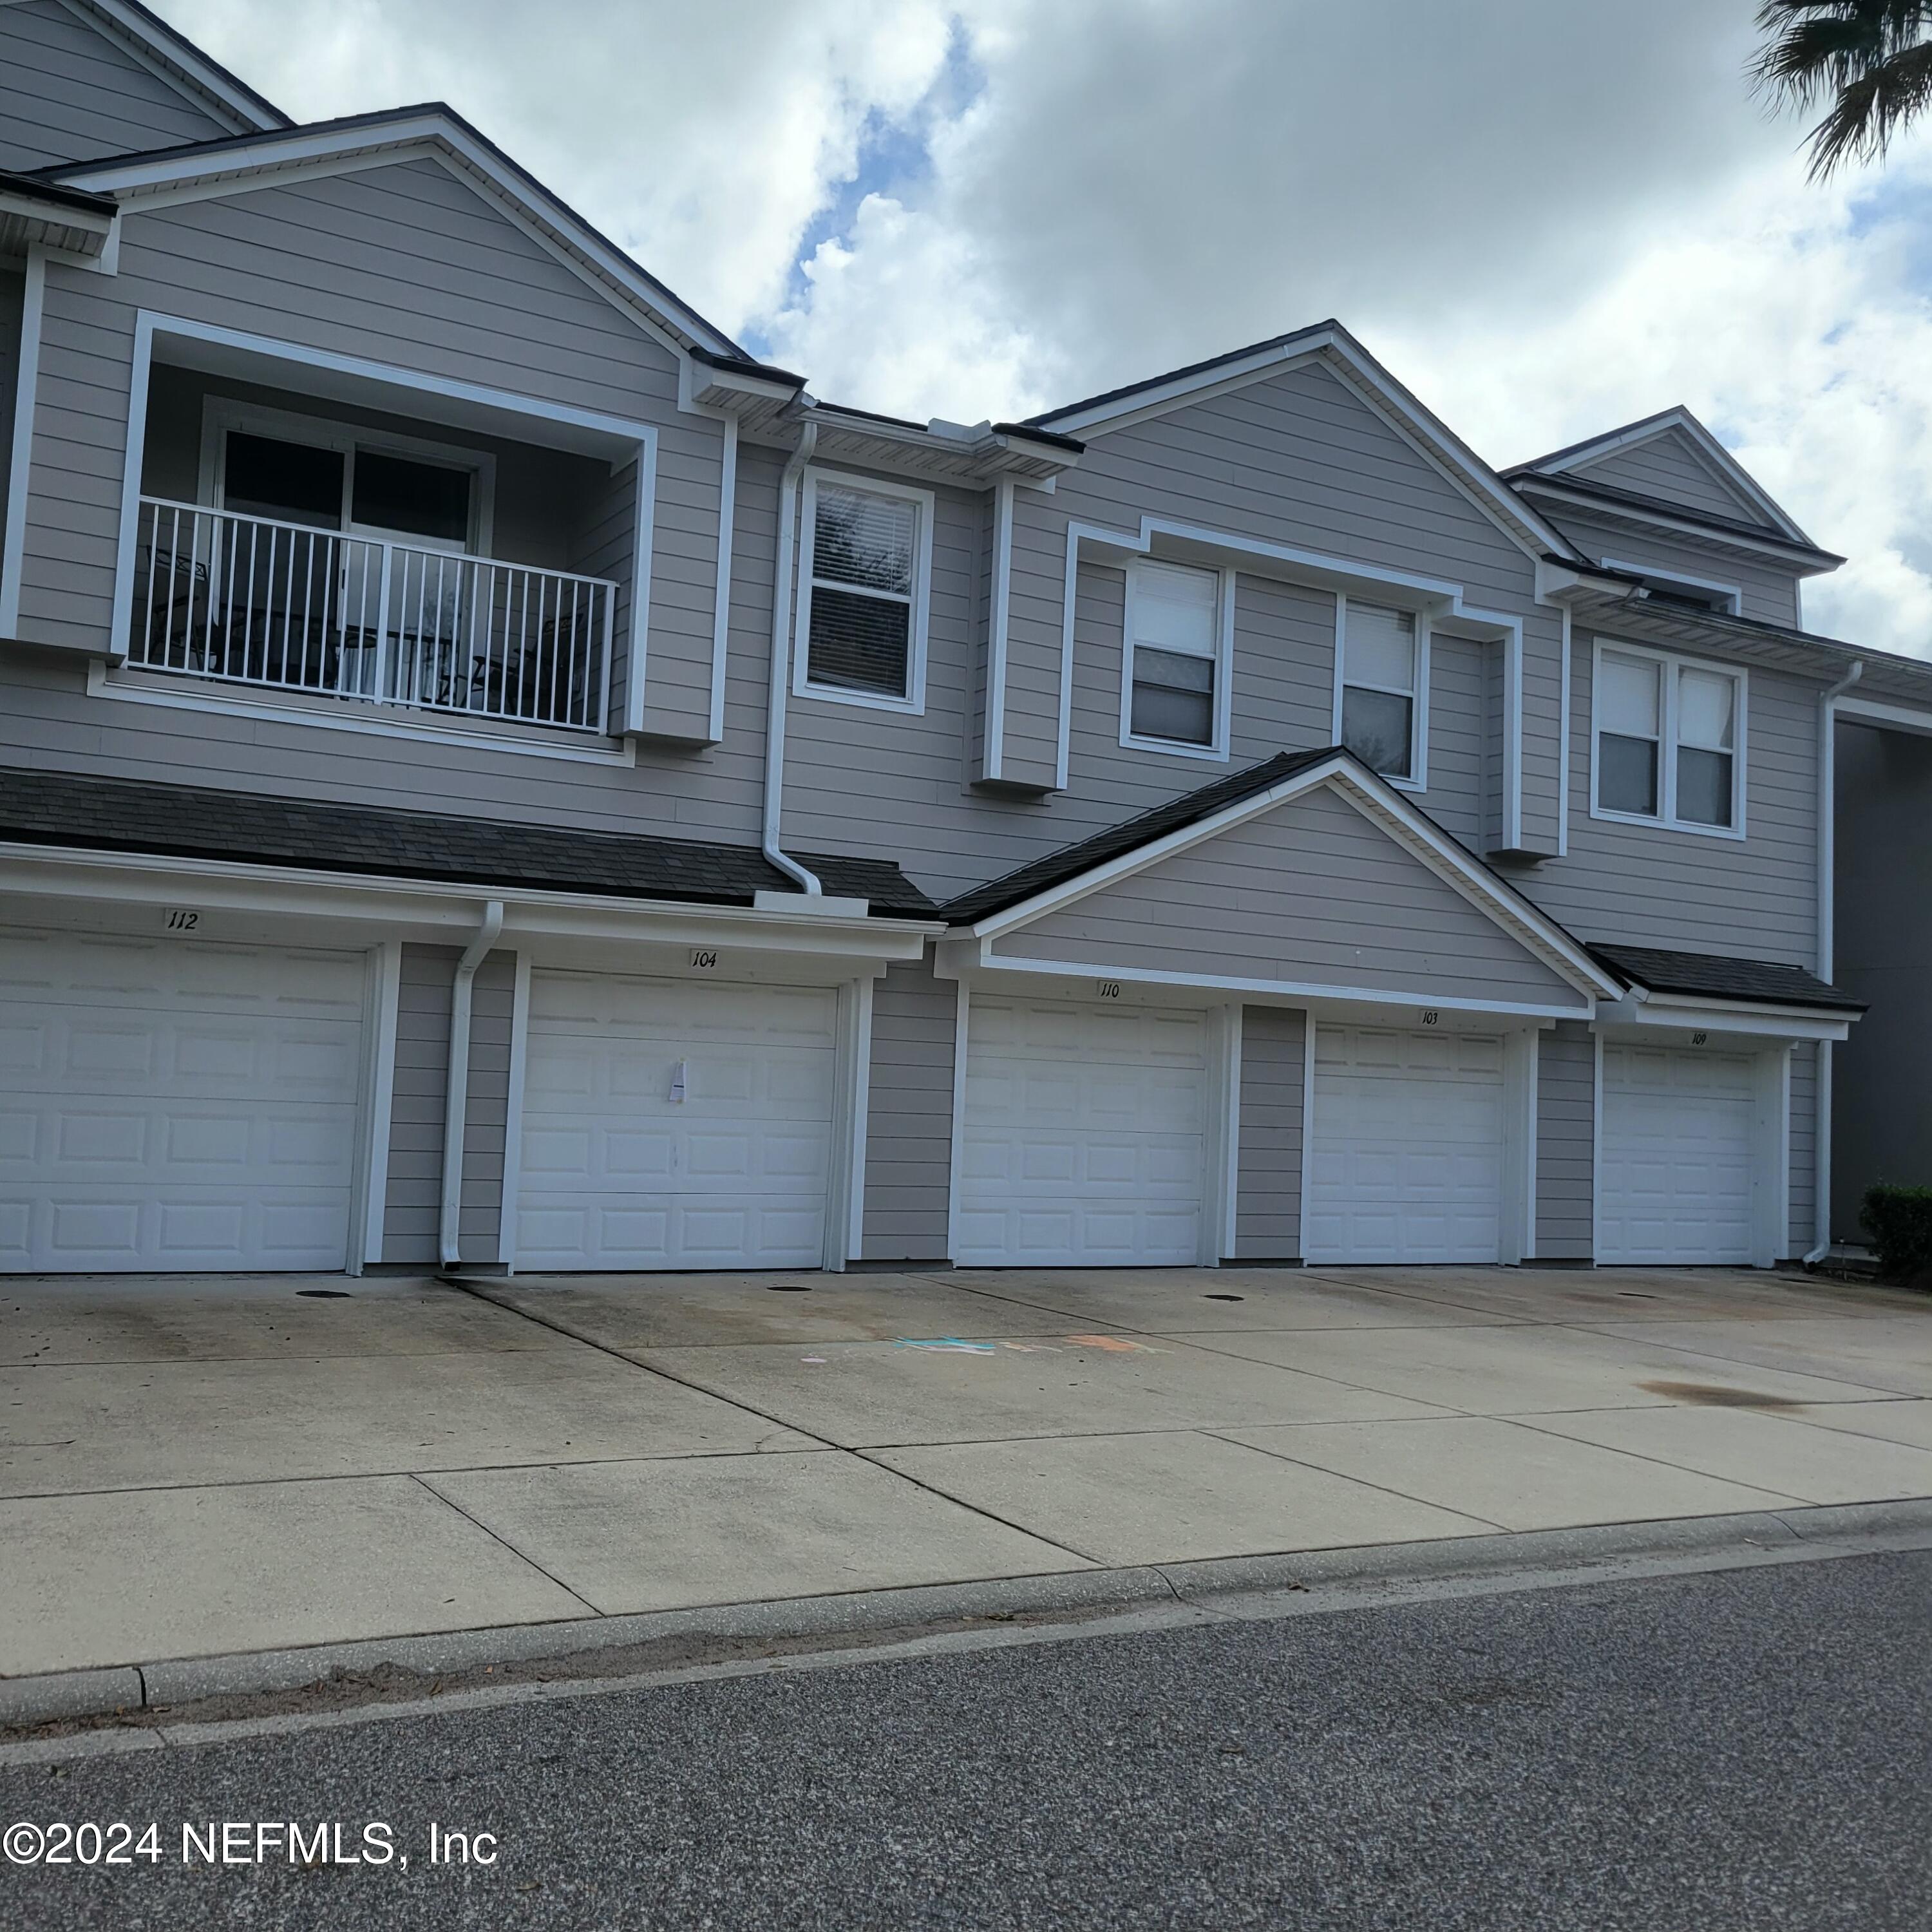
(1821, 1129)
(781, 678)
(456, 1088)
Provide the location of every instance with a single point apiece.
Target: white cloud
(1547, 220)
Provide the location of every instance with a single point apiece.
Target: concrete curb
(168, 1683)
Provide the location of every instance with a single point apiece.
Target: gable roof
(430, 126)
(57, 809)
(180, 61)
(1771, 518)
(1345, 357)
(1034, 889)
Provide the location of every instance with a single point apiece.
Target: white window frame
(221, 414)
(1673, 663)
(1418, 750)
(1216, 750)
(913, 703)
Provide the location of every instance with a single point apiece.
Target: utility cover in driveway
(675, 1124)
(1085, 1134)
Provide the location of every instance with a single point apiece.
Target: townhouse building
(492, 774)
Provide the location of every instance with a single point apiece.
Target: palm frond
(1870, 59)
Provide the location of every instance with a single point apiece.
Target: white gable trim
(1383, 807)
(1728, 470)
(168, 180)
(1424, 431)
(179, 64)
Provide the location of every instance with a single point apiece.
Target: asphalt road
(1749, 1749)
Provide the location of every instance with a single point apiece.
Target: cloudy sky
(1547, 216)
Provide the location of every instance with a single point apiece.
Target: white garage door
(1675, 1167)
(170, 1105)
(1406, 1159)
(1085, 1135)
(670, 1123)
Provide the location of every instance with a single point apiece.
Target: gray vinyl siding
(413, 1211)
(1566, 1127)
(1460, 706)
(1309, 893)
(1646, 885)
(1669, 468)
(1298, 460)
(1768, 591)
(406, 265)
(1268, 1195)
(1804, 1147)
(69, 92)
(909, 1127)
(1881, 1075)
(413, 1202)
(487, 1112)
(1035, 641)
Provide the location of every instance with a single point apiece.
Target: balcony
(284, 606)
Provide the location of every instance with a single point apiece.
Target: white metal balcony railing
(249, 600)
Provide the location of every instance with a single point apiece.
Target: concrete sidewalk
(189, 1468)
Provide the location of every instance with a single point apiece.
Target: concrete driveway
(189, 1467)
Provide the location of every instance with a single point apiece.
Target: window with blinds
(1174, 669)
(863, 588)
(1379, 663)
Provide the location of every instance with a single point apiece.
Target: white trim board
(178, 62)
(998, 620)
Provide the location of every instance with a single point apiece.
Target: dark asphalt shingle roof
(1613, 499)
(122, 815)
(1041, 875)
(1711, 975)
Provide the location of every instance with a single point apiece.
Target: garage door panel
(620, 1172)
(176, 1105)
(1676, 1165)
(1405, 1157)
(1084, 1139)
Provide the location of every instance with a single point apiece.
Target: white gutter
(456, 1088)
(780, 677)
(1827, 766)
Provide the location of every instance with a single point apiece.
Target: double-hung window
(1174, 693)
(1379, 702)
(1668, 739)
(867, 560)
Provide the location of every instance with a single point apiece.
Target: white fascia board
(63, 872)
(1730, 470)
(1381, 804)
(1653, 1017)
(32, 208)
(1295, 992)
(161, 179)
(1685, 525)
(181, 65)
